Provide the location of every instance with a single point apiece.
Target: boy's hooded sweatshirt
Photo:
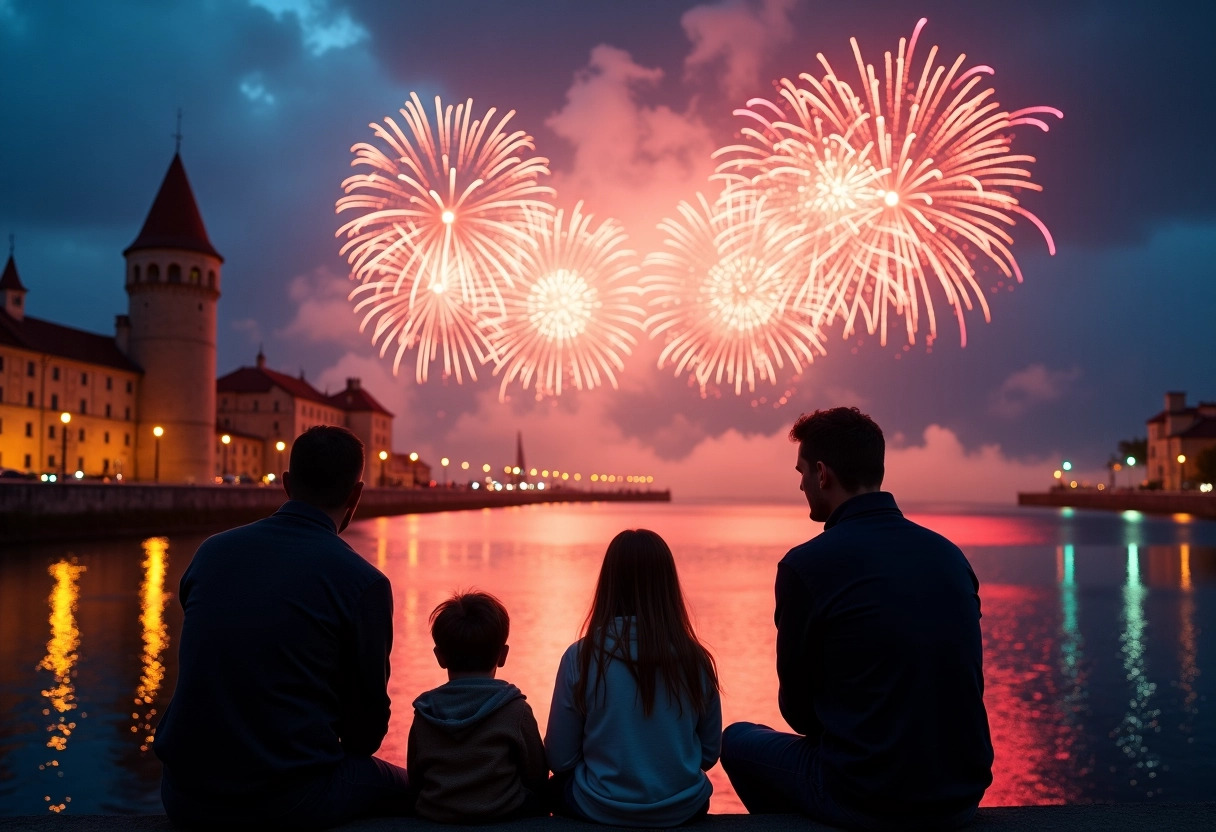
(475, 751)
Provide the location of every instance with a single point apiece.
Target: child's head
(638, 577)
(470, 631)
(638, 584)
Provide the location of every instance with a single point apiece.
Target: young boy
(475, 752)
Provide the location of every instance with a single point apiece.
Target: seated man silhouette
(879, 657)
(281, 696)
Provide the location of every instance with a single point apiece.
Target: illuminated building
(157, 371)
(1179, 430)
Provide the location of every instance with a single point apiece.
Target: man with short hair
(282, 690)
(879, 657)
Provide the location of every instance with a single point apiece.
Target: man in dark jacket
(879, 657)
(281, 696)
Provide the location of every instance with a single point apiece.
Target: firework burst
(720, 291)
(441, 226)
(892, 190)
(572, 312)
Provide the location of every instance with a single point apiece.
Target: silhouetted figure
(281, 696)
(636, 718)
(879, 657)
(475, 753)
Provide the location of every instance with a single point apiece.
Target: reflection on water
(1097, 629)
(60, 660)
(152, 600)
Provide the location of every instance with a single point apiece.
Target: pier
(1194, 503)
(62, 511)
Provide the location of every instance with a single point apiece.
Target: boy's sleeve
(534, 769)
(709, 730)
(564, 734)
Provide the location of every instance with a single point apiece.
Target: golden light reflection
(381, 542)
(152, 600)
(1185, 580)
(60, 660)
(1188, 649)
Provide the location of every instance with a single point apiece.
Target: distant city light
(1067, 466)
(79, 475)
(464, 466)
(414, 456)
(158, 431)
(1131, 460)
(476, 486)
(383, 455)
(485, 468)
(444, 462)
(280, 446)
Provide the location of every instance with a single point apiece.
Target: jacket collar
(874, 502)
(303, 512)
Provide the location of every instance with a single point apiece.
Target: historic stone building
(142, 404)
(1176, 431)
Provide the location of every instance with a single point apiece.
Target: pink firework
(719, 292)
(441, 226)
(573, 311)
(894, 190)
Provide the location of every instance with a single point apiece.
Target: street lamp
(1181, 469)
(383, 461)
(227, 440)
(280, 446)
(158, 432)
(1131, 477)
(64, 417)
(444, 463)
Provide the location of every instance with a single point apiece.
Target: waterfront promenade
(34, 511)
(1126, 817)
(1194, 503)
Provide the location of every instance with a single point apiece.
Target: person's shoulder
(817, 548)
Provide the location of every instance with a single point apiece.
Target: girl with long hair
(636, 720)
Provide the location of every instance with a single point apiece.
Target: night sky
(627, 99)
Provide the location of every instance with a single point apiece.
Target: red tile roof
(174, 220)
(1203, 429)
(10, 279)
(261, 380)
(358, 400)
(64, 341)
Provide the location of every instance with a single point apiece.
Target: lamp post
(279, 447)
(227, 440)
(383, 461)
(1181, 469)
(1131, 478)
(65, 418)
(444, 464)
(158, 432)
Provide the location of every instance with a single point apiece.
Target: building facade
(144, 404)
(1179, 430)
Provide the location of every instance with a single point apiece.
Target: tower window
(106, 436)
(126, 439)
(29, 431)
(50, 431)
(29, 369)
(196, 276)
(175, 273)
(84, 379)
(154, 273)
(82, 434)
(29, 399)
(135, 274)
(54, 374)
(107, 411)
(127, 414)
(54, 401)
(84, 406)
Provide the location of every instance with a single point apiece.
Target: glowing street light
(1131, 477)
(64, 417)
(443, 463)
(226, 440)
(383, 462)
(1181, 470)
(158, 432)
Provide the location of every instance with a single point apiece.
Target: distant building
(1179, 430)
(271, 407)
(158, 371)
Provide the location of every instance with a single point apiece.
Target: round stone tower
(173, 284)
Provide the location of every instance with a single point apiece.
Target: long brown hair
(638, 584)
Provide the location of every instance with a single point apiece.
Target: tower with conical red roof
(12, 292)
(173, 284)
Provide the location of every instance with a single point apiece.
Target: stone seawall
(1148, 502)
(40, 511)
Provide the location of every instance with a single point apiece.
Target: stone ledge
(1121, 817)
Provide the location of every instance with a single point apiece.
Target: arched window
(154, 273)
(135, 274)
(175, 273)
(210, 279)
(196, 276)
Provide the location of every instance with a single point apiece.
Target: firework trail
(573, 311)
(892, 190)
(720, 292)
(441, 226)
